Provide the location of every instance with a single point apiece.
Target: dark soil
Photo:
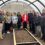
(23, 36)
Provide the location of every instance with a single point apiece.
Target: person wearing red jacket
(24, 20)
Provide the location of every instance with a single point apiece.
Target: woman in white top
(14, 20)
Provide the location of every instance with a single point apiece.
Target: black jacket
(30, 17)
(19, 19)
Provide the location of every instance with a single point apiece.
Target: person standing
(14, 20)
(7, 21)
(25, 20)
(31, 22)
(43, 26)
(19, 20)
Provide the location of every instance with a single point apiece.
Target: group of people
(14, 20)
(21, 20)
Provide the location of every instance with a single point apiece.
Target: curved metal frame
(41, 3)
(34, 5)
(29, 2)
(4, 2)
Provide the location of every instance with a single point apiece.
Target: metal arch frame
(4, 2)
(29, 2)
(41, 3)
(34, 5)
(24, 0)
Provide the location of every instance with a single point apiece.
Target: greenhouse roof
(38, 5)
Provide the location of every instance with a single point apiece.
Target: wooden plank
(34, 37)
(27, 42)
(14, 38)
(1, 27)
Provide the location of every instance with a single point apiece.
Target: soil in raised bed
(23, 36)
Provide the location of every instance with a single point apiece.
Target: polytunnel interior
(23, 36)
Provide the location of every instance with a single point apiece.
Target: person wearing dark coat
(19, 20)
(31, 22)
(37, 20)
(43, 27)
